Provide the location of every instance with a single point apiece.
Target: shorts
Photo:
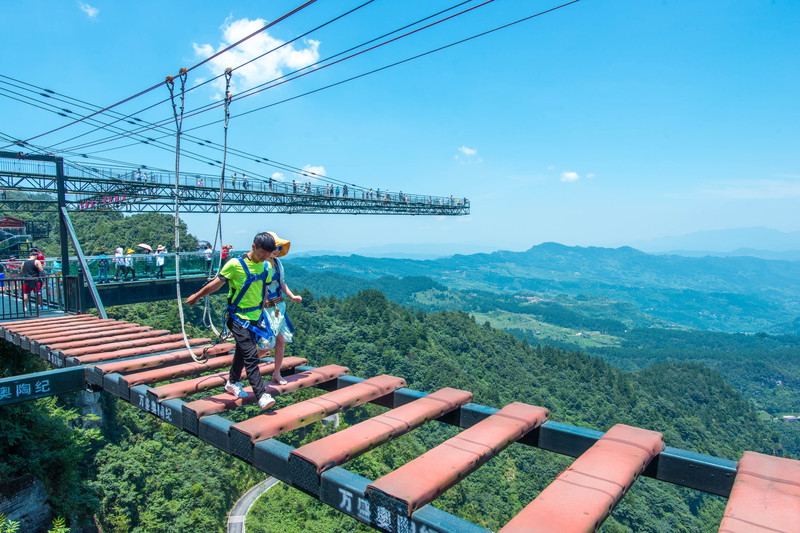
(28, 288)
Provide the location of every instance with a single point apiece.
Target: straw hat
(130, 250)
(160, 248)
(281, 242)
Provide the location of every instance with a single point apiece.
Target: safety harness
(233, 304)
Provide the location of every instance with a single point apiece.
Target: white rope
(218, 233)
(178, 125)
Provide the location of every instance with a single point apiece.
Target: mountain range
(734, 294)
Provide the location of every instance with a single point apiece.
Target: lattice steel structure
(147, 190)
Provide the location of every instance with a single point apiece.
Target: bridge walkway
(154, 371)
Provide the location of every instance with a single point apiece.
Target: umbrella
(145, 246)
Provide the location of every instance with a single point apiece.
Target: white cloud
(262, 70)
(313, 172)
(590, 175)
(569, 177)
(89, 10)
(467, 151)
(278, 176)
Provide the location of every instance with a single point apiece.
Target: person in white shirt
(119, 264)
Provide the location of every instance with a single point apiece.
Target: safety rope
(218, 233)
(170, 82)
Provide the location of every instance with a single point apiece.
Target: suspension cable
(181, 73)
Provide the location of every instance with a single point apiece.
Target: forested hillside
(145, 474)
(103, 231)
(763, 367)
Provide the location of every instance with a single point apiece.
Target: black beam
(41, 385)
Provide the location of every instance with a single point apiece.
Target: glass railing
(137, 266)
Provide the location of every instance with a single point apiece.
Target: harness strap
(276, 278)
(265, 332)
(233, 305)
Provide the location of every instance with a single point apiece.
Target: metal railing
(42, 293)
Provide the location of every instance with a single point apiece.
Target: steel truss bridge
(141, 366)
(147, 190)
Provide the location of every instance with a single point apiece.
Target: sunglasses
(279, 248)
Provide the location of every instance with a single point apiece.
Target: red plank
(765, 496)
(16, 325)
(301, 414)
(72, 326)
(583, 495)
(120, 345)
(347, 444)
(87, 332)
(301, 380)
(158, 375)
(422, 480)
(131, 365)
(193, 386)
(142, 350)
(141, 332)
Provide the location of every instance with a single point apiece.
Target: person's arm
(39, 266)
(294, 297)
(213, 286)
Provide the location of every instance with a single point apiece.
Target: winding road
(239, 511)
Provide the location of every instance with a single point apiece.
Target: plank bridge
(153, 370)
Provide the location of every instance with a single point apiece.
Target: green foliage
(103, 231)
(59, 526)
(283, 509)
(156, 478)
(46, 439)
(7, 525)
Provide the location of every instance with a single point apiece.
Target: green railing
(144, 266)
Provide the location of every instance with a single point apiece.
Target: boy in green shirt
(244, 311)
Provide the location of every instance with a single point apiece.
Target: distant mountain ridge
(758, 241)
(715, 293)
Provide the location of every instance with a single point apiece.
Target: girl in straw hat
(275, 308)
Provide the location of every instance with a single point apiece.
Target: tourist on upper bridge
(129, 268)
(159, 255)
(208, 255)
(31, 280)
(102, 268)
(148, 263)
(275, 308)
(247, 277)
(119, 264)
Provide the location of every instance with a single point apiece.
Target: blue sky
(602, 123)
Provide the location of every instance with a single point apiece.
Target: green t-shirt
(234, 273)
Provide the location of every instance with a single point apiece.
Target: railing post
(62, 226)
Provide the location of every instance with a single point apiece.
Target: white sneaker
(236, 389)
(266, 401)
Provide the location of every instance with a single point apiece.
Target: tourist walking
(247, 277)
